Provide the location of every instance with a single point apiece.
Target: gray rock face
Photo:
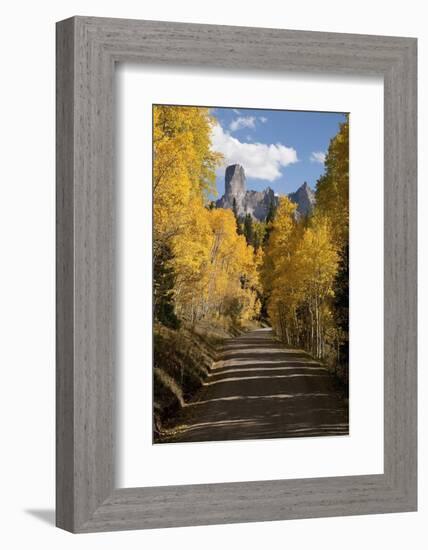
(304, 197)
(257, 203)
(235, 183)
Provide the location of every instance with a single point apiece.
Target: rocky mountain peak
(304, 197)
(235, 181)
(258, 203)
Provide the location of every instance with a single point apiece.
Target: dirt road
(261, 390)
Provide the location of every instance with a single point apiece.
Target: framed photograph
(236, 274)
(250, 290)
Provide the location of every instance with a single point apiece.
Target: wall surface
(27, 272)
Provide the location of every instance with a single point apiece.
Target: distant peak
(233, 167)
(304, 197)
(244, 202)
(303, 188)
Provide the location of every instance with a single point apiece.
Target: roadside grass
(339, 371)
(182, 361)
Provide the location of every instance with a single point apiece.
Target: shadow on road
(262, 390)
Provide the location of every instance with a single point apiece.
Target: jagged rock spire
(304, 197)
(235, 182)
(258, 203)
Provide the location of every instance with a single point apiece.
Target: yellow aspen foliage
(183, 165)
(305, 265)
(233, 276)
(191, 259)
(280, 243)
(332, 194)
(202, 267)
(316, 263)
(332, 203)
(298, 274)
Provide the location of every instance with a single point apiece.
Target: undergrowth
(182, 360)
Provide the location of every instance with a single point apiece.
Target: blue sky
(279, 149)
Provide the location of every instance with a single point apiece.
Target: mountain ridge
(258, 203)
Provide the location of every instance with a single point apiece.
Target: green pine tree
(249, 229)
(269, 220)
(235, 213)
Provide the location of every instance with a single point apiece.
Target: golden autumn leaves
(306, 263)
(204, 269)
(298, 275)
(212, 270)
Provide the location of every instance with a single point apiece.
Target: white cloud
(263, 119)
(317, 156)
(260, 160)
(236, 111)
(242, 122)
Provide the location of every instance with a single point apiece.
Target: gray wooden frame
(87, 50)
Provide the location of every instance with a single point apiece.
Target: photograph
(250, 273)
(210, 275)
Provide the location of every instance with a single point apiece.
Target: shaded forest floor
(259, 389)
(183, 359)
